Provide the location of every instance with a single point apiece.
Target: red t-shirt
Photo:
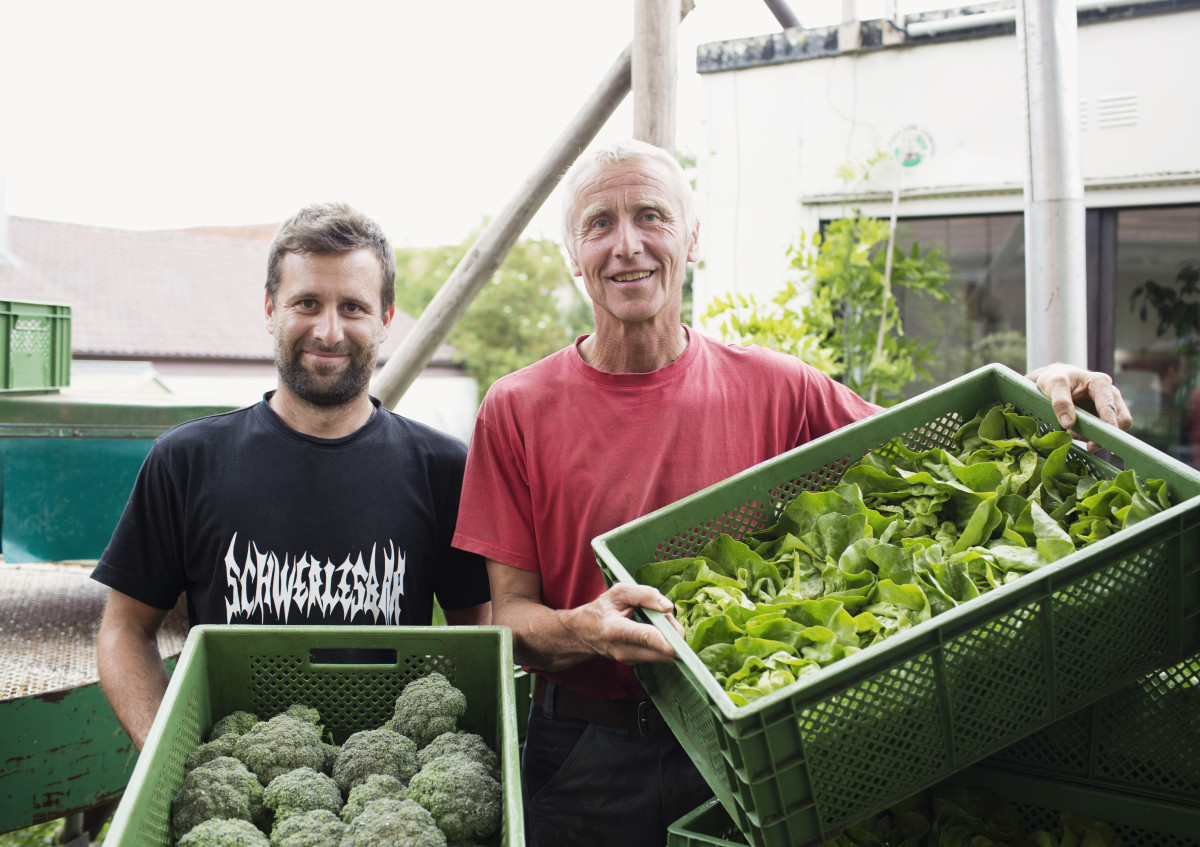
(562, 452)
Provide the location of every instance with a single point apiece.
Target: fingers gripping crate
(800, 764)
(1142, 740)
(350, 674)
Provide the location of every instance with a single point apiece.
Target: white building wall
(776, 136)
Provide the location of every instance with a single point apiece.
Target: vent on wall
(1118, 110)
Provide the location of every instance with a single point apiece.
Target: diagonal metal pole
(498, 237)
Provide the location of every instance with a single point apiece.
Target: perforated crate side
(1142, 740)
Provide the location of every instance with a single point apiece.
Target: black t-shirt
(261, 524)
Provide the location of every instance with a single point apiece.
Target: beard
(324, 385)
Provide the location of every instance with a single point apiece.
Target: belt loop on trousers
(645, 711)
(549, 697)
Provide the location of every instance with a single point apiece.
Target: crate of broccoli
(331, 737)
(886, 605)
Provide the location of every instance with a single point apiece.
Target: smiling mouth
(633, 276)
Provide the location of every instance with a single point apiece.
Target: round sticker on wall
(912, 146)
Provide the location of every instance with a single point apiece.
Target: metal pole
(783, 13)
(655, 60)
(1055, 236)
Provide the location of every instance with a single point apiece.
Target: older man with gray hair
(628, 419)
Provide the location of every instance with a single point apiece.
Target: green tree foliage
(837, 317)
(529, 309)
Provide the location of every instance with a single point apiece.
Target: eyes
(309, 304)
(647, 216)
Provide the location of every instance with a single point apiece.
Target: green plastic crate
(35, 346)
(265, 669)
(1037, 801)
(1142, 740)
(796, 767)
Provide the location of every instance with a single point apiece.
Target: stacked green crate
(35, 346)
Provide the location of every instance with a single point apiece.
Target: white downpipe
(1055, 241)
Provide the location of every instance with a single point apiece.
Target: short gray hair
(331, 228)
(618, 153)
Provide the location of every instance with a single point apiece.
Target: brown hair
(331, 228)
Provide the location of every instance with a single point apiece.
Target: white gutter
(917, 29)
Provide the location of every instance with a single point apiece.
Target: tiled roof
(152, 294)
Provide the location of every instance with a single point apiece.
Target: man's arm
(554, 640)
(480, 615)
(131, 669)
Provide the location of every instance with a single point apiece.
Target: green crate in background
(796, 767)
(35, 346)
(1142, 740)
(1037, 801)
(266, 669)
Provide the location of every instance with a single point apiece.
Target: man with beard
(314, 506)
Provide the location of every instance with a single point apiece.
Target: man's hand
(556, 639)
(1067, 386)
(606, 625)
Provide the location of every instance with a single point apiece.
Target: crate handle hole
(352, 656)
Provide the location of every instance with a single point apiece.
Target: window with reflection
(1156, 325)
(984, 321)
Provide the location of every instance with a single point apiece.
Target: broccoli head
(468, 743)
(284, 743)
(209, 750)
(373, 751)
(427, 707)
(224, 832)
(374, 787)
(237, 723)
(390, 821)
(460, 794)
(302, 790)
(306, 713)
(318, 828)
(222, 788)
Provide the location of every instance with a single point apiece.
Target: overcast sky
(425, 114)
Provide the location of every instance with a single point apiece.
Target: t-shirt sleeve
(496, 516)
(141, 559)
(828, 405)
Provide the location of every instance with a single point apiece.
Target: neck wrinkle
(634, 351)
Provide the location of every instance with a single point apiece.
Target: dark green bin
(1144, 740)
(796, 767)
(1037, 801)
(266, 669)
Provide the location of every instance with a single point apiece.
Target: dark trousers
(586, 784)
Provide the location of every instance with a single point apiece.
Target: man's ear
(387, 322)
(270, 310)
(694, 246)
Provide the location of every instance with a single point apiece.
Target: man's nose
(328, 328)
(629, 239)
